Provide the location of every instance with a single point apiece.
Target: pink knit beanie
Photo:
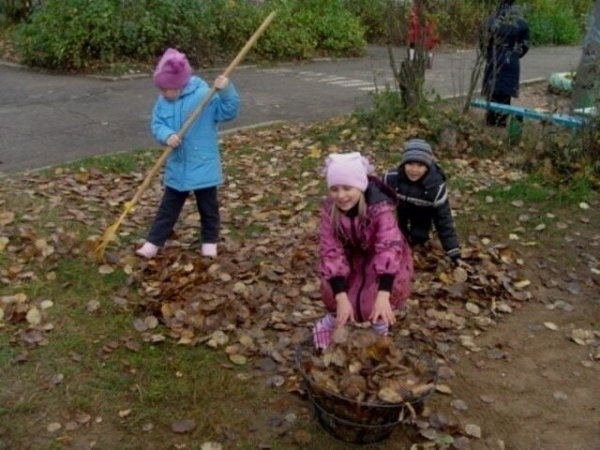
(173, 70)
(347, 169)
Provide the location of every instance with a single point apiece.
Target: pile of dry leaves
(259, 299)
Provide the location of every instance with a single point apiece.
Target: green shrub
(65, 34)
(77, 34)
(337, 31)
(99, 32)
(564, 155)
(388, 111)
(81, 34)
(371, 15)
(453, 32)
(230, 24)
(285, 39)
(554, 22)
(14, 11)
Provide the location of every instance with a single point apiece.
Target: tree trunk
(586, 91)
(411, 76)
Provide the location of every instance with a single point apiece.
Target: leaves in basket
(370, 368)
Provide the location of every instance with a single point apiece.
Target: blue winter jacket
(196, 163)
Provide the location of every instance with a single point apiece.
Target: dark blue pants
(170, 207)
(497, 119)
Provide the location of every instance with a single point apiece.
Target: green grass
(537, 190)
(117, 163)
(164, 382)
(123, 69)
(160, 383)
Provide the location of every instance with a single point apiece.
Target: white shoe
(148, 250)
(209, 250)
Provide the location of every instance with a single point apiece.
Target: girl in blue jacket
(194, 165)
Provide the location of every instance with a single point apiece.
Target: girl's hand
(174, 141)
(344, 311)
(221, 82)
(382, 310)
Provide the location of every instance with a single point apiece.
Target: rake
(110, 232)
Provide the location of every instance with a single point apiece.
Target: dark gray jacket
(423, 204)
(505, 40)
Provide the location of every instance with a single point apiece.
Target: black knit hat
(417, 150)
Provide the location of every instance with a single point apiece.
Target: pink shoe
(209, 250)
(323, 332)
(148, 250)
(380, 328)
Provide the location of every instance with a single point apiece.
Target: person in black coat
(420, 185)
(504, 40)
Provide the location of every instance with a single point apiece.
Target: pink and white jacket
(366, 254)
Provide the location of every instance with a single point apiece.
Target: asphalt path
(47, 119)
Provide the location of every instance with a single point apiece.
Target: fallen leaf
(45, 304)
(105, 269)
(560, 395)
(93, 305)
(443, 389)
(240, 360)
(211, 446)
(473, 430)
(460, 275)
(82, 418)
(71, 426)
(472, 308)
(53, 427)
(6, 217)
(183, 426)
(140, 325)
(459, 405)
(3, 243)
(34, 316)
(151, 322)
(486, 398)
(522, 284)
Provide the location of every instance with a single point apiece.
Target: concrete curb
(231, 131)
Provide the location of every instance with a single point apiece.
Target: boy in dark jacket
(423, 198)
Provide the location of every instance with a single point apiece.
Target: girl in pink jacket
(365, 262)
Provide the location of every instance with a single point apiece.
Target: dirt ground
(532, 382)
(532, 386)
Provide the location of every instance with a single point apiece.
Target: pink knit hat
(173, 70)
(347, 169)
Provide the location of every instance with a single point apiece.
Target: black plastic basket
(353, 421)
(352, 432)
